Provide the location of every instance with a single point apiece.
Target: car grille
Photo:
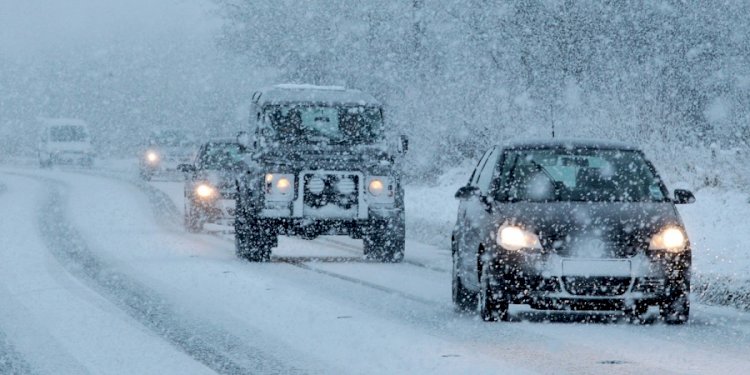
(341, 190)
(596, 286)
(573, 246)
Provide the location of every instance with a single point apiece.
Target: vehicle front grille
(341, 190)
(596, 286)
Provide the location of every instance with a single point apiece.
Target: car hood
(331, 157)
(591, 229)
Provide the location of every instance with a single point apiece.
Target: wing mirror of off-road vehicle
(404, 145)
(244, 140)
(186, 168)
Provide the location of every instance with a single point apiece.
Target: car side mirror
(466, 192)
(404, 144)
(682, 196)
(186, 168)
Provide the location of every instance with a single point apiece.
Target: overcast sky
(33, 26)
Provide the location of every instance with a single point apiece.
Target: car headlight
(152, 157)
(514, 238)
(205, 191)
(376, 187)
(279, 186)
(672, 239)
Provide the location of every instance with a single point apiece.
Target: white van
(65, 141)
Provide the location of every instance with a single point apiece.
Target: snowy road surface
(97, 276)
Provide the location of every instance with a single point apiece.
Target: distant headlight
(515, 238)
(670, 239)
(205, 191)
(152, 157)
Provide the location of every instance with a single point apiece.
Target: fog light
(316, 185)
(346, 185)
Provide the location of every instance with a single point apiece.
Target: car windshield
(580, 175)
(220, 156)
(171, 138)
(315, 123)
(68, 133)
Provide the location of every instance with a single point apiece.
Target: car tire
(464, 300)
(493, 301)
(193, 220)
(253, 241)
(385, 241)
(674, 308)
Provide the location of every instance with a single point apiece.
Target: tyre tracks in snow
(203, 341)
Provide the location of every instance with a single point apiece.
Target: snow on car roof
(295, 93)
(571, 144)
(61, 121)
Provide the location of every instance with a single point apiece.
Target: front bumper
(554, 282)
(218, 211)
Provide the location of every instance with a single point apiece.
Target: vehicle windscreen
(220, 156)
(68, 133)
(335, 124)
(169, 139)
(580, 175)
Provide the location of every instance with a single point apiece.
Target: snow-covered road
(97, 276)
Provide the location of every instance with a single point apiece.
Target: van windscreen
(68, 133)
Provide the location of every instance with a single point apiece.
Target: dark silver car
(570, 225)
(210, 189)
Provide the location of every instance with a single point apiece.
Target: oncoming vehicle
(570, 225)
(163, 151)
(65, 141)
(319, 164)
(210, 188)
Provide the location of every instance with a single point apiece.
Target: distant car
(210, 189)
(163, 151)
(65, 141)
(570, 225)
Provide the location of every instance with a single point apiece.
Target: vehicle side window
(488, 172)
(475, 174)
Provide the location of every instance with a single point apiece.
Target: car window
(220, 156)
(475, 174)
(488, 172)
(580, 175)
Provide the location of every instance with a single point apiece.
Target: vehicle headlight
(514, 238)
(376, 187)
(152, 157)
(672, 239)
(205, 191)
(279, 186)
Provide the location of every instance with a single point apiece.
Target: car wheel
(493, 301)
(193, 219)
(463, 299)
(675, 307)
(252, 240)
(385, 242)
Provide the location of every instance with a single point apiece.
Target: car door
(474, 216)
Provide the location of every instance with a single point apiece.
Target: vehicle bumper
(218, 211)
(554, 282)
